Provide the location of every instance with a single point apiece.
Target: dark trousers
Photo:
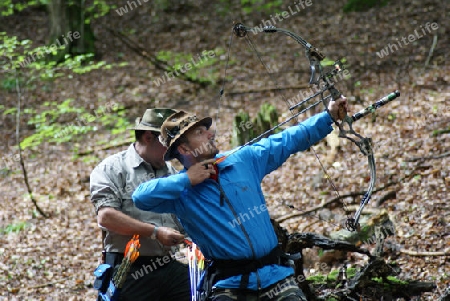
(156, 279)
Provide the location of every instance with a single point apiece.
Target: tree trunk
(69, 29)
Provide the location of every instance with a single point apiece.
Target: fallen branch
(354, 208)
(22, 164)
(299, 241)
(47, 284)
(363, 282)
(267, 90)
(332, 201)
(343, 196)
(440, 132)
(425, 253)
(159, 64)
(388, 196)
(414, 159)
(105, 147)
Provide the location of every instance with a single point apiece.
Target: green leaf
(10, 111)
(327, 62)
(14, 228)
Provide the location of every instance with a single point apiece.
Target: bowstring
(253, 47)
(223, 86)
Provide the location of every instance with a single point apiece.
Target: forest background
(75, 109)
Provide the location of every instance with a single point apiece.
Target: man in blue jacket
(221, 205)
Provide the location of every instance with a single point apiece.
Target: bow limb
(241, 30)
(312, 53)
(353, 223)
(365, 146)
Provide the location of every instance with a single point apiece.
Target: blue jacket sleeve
(277, 148)
(161, 195)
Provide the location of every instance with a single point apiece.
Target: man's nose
(211, 133)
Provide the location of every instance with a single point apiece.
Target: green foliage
(54, 122)
(393, 279)
(266, 118)
(318, 279)
(242, 129)
(388, 281)
(90, 159)
(14, 228)
(363, 5)
(98, 9)
(245, 130)
(332, 277)
(19, 58)
(64, 122)
(48, 127)
(327, 62)
(440, 132)
(197, 64)
(9, 83)
(331, 280)
(392, 116)
(117, 123)
(162, 4)
(249, 6)
(7, 7)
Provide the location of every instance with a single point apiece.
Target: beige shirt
(112, 184)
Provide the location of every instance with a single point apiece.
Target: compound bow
(324, 83)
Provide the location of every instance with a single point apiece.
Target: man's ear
(148, 137)
(182, 149)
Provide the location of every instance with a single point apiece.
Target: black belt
(222, 269)
(115, 258)
(228, 268)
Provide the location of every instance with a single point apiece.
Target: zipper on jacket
(223, 197)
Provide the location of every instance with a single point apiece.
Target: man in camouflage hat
(220, 203)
